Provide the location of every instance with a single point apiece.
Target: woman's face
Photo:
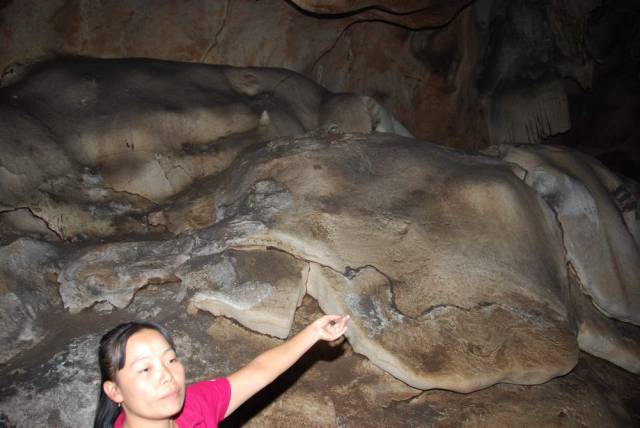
(151, 383)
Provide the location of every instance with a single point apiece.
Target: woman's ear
(113, 392)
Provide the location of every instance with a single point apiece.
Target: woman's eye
(173, 360)
(145, 370)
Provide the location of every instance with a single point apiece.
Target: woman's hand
(331, 327)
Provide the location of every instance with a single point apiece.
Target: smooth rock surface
(604, 337)
(598, 234)
(449, 347)
(260, 289)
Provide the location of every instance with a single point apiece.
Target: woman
(143, 380)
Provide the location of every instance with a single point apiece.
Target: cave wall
(459, 73)
(605, 117)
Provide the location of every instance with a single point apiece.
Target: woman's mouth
(171, 395)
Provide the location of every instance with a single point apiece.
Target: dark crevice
(135, 195)
(480, 305)
(349, 273)
(395, 24)
(375, 8)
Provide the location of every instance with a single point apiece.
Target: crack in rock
(46, 223)
(214, 42)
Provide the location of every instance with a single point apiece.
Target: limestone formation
(417, 274)
(453, 71)
(128, 134)
(601, 336)
(185, 192)
(578, 399)
(260, 289)
(598, 234)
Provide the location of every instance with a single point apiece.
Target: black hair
(111, 357)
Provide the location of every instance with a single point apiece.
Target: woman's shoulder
(208, 398)
(213, 386)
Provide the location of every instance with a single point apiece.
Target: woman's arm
(269, 365)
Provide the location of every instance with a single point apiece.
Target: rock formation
(460, 73)
(178, 192)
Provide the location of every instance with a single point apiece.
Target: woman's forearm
(275, 361)
(270, 364)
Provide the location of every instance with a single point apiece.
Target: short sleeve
(215, 395)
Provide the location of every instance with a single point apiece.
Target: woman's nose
(165, 375)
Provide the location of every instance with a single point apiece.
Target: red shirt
(205, 404)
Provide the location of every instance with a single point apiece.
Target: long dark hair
(111, 357)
